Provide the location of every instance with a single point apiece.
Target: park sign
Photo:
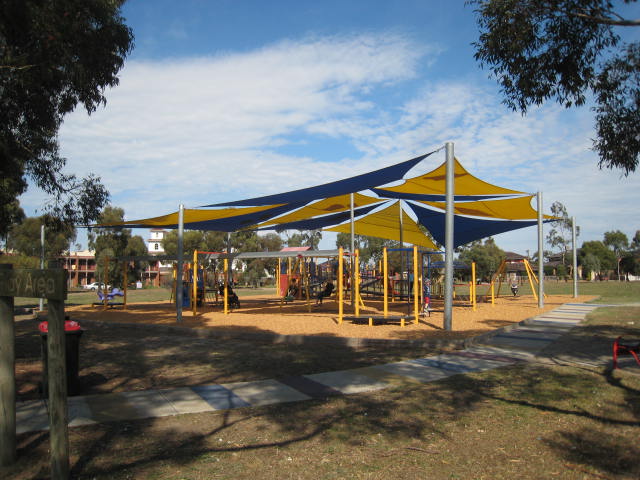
(32, 283)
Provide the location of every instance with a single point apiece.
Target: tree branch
(608, 21)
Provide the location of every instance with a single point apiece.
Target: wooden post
(7, 379)
(58, 415)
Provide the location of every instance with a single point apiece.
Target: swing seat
(627, 348)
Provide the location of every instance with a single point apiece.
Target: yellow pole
(194, 287)
(473, 285)
(278, 277)
(529, 273)
(416, 300)
(305, 279)
(493, 302)
(226, 283)
(106, 281)
(356, 279)
(385, 280)
(125, 265)
(173, 277)
(340, 284)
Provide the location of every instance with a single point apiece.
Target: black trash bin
(72, 334)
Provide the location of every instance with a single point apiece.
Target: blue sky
(223, 100)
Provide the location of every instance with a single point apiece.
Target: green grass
(608, 292)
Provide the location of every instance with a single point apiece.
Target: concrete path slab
(185, 400)
(415, 371)
(265, 392)
(348, 381)
(219, 397)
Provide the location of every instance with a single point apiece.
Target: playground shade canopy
(222, 220)
(340, 187)
(518, 208)
(340, 203)
(386, 224)
(466, 229)
(481, 209)
(432, 186)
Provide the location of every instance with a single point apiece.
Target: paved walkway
(506, 347)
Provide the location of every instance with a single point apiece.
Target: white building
(154, 244)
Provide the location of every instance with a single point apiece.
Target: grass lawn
(566, 420)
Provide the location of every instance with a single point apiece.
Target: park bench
(372, 319)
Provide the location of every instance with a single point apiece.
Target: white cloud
(209, 129)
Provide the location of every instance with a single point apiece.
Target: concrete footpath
(522, 343)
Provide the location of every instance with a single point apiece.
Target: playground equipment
(414, 293)
(502, 272)
(299, 265)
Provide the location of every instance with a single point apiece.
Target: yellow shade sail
(434, 182)
(190, 216)
(518, 208)
(386, 224)
(336, 204)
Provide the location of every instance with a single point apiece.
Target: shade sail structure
(465, 229)
(340, 203)
(386, 224)
(340, 187)
(518, 208)
(320, 222)
(432, 186)
(222, 220)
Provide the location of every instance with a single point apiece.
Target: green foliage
(53, 56)
(561, 50)
(116, 242)
(25, 237)
(616, 241)
(370, 249)
(10, 211)
(305, 238)
(559, 236)
(487, 256)
(595, 257)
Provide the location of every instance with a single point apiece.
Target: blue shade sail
(332, 189)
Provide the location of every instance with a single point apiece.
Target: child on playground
(328, 290)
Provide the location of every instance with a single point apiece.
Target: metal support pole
(575, 257)
(540, 254)
(179, 292)
(41, 260)
(448, 239)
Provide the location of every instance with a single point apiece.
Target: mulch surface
(267, 315)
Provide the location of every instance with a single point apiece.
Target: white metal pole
(575, 257)
(179, 292)
(540, 254)
(448, 239)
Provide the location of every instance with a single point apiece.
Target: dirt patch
(266, 315)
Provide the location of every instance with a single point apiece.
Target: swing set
(503, 270)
